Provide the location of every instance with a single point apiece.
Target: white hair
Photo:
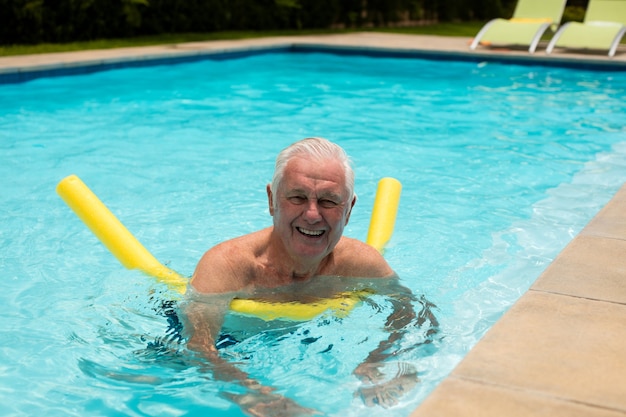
(317, 149)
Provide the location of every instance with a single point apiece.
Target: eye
(297, 199)
(327, 203)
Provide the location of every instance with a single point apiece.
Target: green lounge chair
(530, 20)
(603, 28)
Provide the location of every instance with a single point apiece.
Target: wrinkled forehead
(326, 176)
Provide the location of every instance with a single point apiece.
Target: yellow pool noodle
(133, 255)
(297, 311)
(113, 234)
(384, 213)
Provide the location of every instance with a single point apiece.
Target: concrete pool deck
(560, 350)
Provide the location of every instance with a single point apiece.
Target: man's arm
(354, 258)
(386, 394)
(222, 269)
(206, 318)
(219, 277)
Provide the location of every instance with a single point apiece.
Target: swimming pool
(501, 166)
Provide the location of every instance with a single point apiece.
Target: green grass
(441, 29)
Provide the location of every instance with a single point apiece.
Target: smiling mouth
(310, 233)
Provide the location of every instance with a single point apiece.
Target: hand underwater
(387, 394)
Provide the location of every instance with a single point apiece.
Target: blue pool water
(501, 166)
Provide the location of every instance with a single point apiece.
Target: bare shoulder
(227, 266)
(358, 259)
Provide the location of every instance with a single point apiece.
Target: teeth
(310, 232)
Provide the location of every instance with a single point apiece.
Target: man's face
(312, 207)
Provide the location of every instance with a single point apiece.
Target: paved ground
(561, 349)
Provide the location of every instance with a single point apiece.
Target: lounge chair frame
(602, 28)
(533, 44)
(612, 47)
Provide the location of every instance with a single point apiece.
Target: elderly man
(310, 200)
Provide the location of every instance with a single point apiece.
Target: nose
(312, 212)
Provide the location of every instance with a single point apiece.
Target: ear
(352, 203)
(270, 199)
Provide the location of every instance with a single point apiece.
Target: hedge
(36, 21)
